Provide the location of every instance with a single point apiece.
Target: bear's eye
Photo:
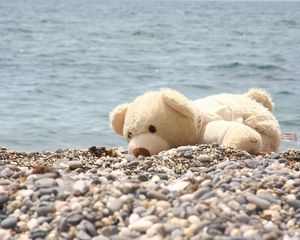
(152, 129)
(129, 135)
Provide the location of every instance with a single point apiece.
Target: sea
(65, 64)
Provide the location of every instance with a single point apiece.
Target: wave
(234, 65)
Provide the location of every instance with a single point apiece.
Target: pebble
(204, 158)
(74, 164)
(3, 200)
(75, 218)
(294, 203)
(178, 186)
(9, 222)
(82, 235)
(194, 192)
(260, 203)
(157, 195)
(80, 187)
(45, 183)
(44, 210)
(114, 204)
(201, 191)
(252, 163)
(141, 225)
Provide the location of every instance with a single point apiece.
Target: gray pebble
(207, 195)
(294, 203)
(3, 199)
(222, 165)
(176, 233)
(63, 225)
(200, 192)
(143, 177)
(45, 183)
(38, 234)
(80, 187)
(157, 195)
(243, 154)
(74, 164)
(89, 228)
(82, 235)
(114, 204)
(275, 156)
(243, 219)
(139, 210)
(133, 164)
(214, 232)
(233, 165)
(75, 219)
(9, 222)
(296, 183)
(252, 163)
(269, 198)
(44, 191)
(109, 231)
(260, 203)
(182, 149)
(44, 210)
(204, 158)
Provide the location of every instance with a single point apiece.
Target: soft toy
(165, 119)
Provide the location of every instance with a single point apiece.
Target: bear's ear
(117, 117)
(178, 102)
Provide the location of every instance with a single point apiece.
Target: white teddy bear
(165, 119)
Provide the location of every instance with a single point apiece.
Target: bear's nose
(141, 151)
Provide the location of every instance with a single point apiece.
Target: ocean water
(65, 64)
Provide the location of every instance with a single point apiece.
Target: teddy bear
(165, 119)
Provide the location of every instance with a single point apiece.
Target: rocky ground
(192, 192)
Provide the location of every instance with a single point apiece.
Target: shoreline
(192, 192)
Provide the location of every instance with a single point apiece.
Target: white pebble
(140, 225)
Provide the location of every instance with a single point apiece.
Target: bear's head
(156, 121)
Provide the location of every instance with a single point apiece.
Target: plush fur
(165, 119)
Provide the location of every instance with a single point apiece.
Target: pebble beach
(192, 192)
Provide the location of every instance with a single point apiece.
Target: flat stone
(80, 187)
(143, 177)
(39, 233)
(252, 163)
(260, 203)
(222, 165)
(74, 164)
(200, 192)
(75, 219)
(269, 198)
(114, 204)
(157, 195)
(45, 183)
(9, 222)
(140, 225)
(109, 231)
(44, 210)
(3, 199)
(89, 228)
(204, 158)
(294, 203)
(82, 235)
(178, 185)
(243, 154)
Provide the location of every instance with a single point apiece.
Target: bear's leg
(263, 121)
(233, 134)
(244, 138)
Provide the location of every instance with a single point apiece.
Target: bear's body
(164, 119)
